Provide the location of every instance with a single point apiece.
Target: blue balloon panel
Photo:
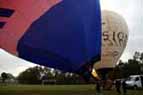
(65, 37)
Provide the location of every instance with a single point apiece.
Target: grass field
(57, 90)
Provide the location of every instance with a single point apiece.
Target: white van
(135, 81)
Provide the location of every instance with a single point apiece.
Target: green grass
(49, 89)
(57, 90)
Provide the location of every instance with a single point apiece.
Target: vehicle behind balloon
(135, 81)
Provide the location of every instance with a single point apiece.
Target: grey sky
(131, 10)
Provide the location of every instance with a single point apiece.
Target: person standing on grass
(124, 87)
(98, 87)
(118, 86)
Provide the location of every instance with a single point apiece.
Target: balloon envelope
(63, 34)
(114, 39)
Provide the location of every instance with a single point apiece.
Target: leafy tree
(10, 76)
(132, 67)
(30, 76)
(136, 55)
(141, 57)
(4, 76)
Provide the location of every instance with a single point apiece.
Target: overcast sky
(131, 10)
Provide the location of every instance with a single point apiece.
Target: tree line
(134, 66)
(39, 74)
(45, 75)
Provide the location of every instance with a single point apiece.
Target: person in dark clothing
(118, 86)
(142, 80)
(124, 87)
(98, 86)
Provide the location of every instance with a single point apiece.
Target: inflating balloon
(62, 34)
(114, 39)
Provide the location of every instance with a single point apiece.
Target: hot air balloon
(114, 39)
(62, 34)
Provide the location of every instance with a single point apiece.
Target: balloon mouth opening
(87, 70)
